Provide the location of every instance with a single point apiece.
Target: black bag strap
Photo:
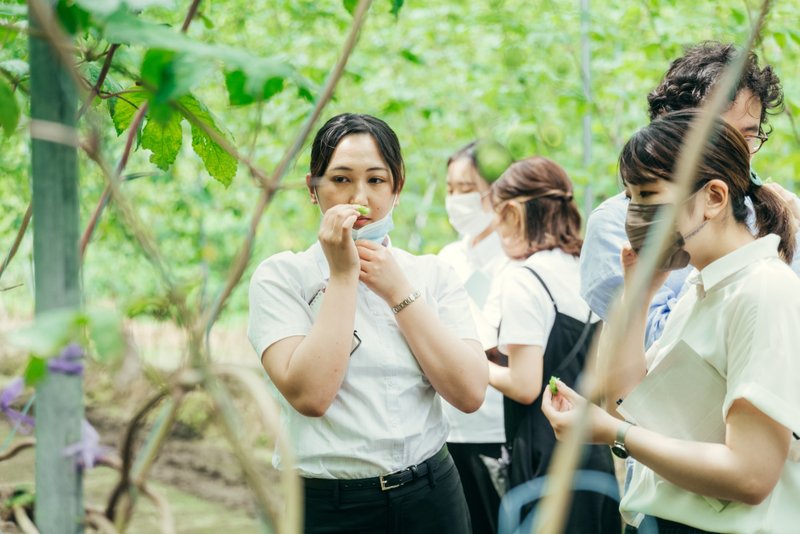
(587, 328)
(547, 289)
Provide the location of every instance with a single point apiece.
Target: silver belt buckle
(384, 485)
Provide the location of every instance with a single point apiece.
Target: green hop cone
(363, 210)
(492, 159)
(553, 385)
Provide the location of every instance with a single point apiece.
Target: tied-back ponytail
(773, 216)
(650, 155)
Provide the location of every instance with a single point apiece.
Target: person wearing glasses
(362, 340)
(715, 398)
(685, 85)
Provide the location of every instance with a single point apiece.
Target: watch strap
(622, 431)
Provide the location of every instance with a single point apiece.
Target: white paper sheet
(681, 397)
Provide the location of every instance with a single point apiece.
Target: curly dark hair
(691, 77)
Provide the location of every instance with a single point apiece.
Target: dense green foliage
(441, 73)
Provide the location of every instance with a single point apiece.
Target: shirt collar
(485, 250)
(733, 262)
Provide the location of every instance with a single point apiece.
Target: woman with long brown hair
(715, 399)
(545, 327)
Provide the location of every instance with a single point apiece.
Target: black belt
(383, 482)
(671, 527)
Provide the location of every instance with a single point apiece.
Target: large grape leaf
(124, 107)
(164, 140)
(259, 73)
(219, 164)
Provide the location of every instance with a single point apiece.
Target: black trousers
(665, 526)
(482, 499)
(432, 504)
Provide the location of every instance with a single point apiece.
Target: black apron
(532, 440)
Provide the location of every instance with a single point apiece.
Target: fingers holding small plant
(336, 238)
(562, 410)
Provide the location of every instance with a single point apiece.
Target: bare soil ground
(195, 469)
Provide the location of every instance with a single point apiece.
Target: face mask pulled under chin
(638, 222)
(375, 231)
(466, 213)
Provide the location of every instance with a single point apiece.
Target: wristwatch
(618, 448)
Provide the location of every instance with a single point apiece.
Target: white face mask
(466, 213)
(376, 231)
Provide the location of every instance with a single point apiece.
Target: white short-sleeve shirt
(386, 415)
(527, 312)
(743, 317)
(479, 268)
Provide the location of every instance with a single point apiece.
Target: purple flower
(69, 361)
(7, 396)
(88, 450)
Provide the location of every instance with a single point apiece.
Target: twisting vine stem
(26, 219)
(269, 185)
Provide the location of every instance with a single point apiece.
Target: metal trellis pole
(59, 397)
(586, 76)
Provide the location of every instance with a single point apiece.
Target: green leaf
(172, 74)
(739, 16)
(158, 73)
(237, 95)
(48, 332)
(219, 164)
(241, 92)
(125, 106)
(396, 6)
(350, 5)
(306, 94)
(35, 371)
(191, 64)
(105, 331)
(92, 72)
(72, 17)
(9, 108)
(125, 28)
(99, 7)
(411, 56)
(21, 498)
(207, 22)
(159, 307)
(164, 140)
